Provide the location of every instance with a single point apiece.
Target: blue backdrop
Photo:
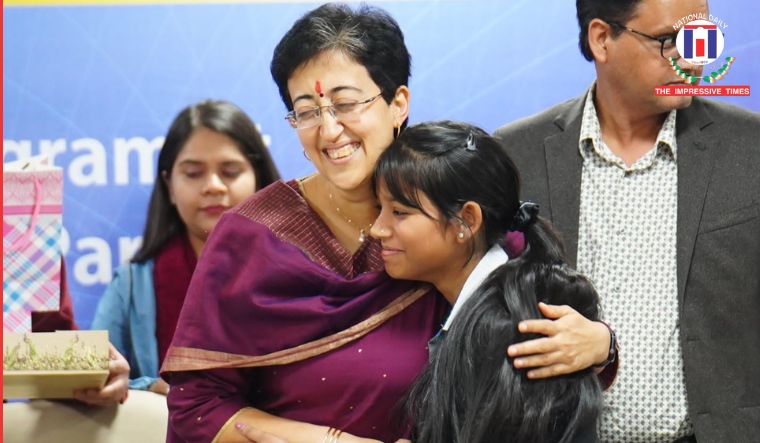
(98, 86)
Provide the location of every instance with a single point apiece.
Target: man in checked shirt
(658, 199)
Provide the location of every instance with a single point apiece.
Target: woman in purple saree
(327, 337)
(290, 325)
(290, 318)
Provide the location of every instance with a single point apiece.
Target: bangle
(332, 435)
(612, 354)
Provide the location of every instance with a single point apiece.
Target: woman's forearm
(290, 430)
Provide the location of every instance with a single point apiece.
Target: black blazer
(718, 245)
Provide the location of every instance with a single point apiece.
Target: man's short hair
(619, 11)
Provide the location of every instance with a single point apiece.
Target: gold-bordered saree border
(194, 359)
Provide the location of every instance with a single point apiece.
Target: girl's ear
(472, 216)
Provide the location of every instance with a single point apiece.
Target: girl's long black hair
(471, 392)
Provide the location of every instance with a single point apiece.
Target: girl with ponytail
(448, 196)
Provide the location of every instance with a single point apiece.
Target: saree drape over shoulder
(279, 316)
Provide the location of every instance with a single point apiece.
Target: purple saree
(280, 317)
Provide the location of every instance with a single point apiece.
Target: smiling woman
(212, 159)
(293, 339)
(345, 142)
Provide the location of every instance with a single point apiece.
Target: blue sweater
(127, 311)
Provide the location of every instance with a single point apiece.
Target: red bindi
(318, 88)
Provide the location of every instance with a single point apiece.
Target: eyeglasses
(667, 42)
(345, 111)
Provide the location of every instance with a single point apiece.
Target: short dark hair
(163, 221)
(610, 11)
(369, 36)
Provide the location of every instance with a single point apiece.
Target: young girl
(448, 196)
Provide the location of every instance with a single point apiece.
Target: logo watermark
(700, 41)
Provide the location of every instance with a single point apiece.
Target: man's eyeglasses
(345, 111)
(667, 42)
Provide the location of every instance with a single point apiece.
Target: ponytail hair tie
(525, 216)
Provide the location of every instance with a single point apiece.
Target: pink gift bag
(32, 222)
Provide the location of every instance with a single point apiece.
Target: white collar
(494, 258)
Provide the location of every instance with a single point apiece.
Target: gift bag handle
(23, 241)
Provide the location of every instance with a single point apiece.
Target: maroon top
(272, 277)
(172, 270)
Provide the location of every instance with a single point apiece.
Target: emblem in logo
(700, 42)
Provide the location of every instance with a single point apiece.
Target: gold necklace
(362, 231)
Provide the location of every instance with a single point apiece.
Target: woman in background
(212, 159)
(440, 226)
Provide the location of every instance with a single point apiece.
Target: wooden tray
(53, 382)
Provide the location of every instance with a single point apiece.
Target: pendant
(361, 236)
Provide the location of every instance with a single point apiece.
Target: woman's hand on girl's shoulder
(572, 343)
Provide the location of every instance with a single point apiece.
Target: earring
(306, 154)
(396, 131)
(460, 235)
